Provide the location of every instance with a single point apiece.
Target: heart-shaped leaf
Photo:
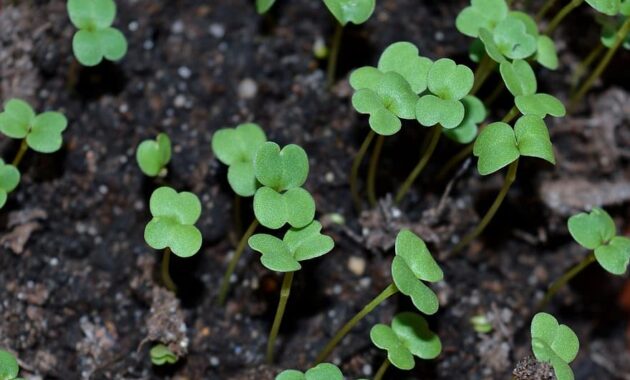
(481, 14)
(174, 215)
(42, 132)
(161, 355)
(281, 169)
(9, 179)
(262, 6)
(448, 80)
(323, 371)
(91, 14)
(593, 229)
(554, 343)
(273, 210)
(492, 49)
(432, 110)
(354, 11)
(546, 53)
(532, 137)
(519, 77)
(496, 148)
(530, 24)
(474, 113)
(615, 255)
(540, 105)
(153, 155)
(8, 365)
(423, 298)
(607, 7)
(404, 59)
(16, 120)
(275, 253)
(513, 40)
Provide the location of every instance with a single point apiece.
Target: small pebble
(184, 72)
(217, 30)
(247, 89)
(356, 265)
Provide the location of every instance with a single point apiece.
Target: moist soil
(80, 291)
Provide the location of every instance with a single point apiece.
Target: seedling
(9, 179)
(481, 324)
(555, 344)
(153, 155)
(404, 58)
(96, 38)
(408, 336)
(161, 355)
(474, 114)
(262, 6)
(354, 11)
(9, 367)
(324, 371)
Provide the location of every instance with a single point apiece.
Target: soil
(80, 290)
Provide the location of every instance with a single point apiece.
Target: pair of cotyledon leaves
(161, 355)
(9, 368)
(173, 223)
(408, 336)
(153, 155)
(96, 38)
(390, 92)
(555, 344)
(505, 34)
(9, 179)
(596, 231)
(323, 371)
(42, 132)
(345, 11)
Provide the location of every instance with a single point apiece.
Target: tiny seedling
(481, 324)
(354, 11)
(324, 371)
(408, 336)
(9, 179)
(9, 367)
(153, 155)
(41, 132)
(474, 113)
(236, 148)
(96, 38)
(161, 355)
(555, 344)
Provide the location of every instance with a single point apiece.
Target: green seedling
(324, 371)
(509, 40)
(540, 105)
(9, 179)
(555, 344)
(161, 355)
(153, 155)
(262, 6)
(236, 148)
(481, 14)
(474, 113)
(354, 11)
(481, 324)
(404, 58)
(41, 132)
(281, 199)
(9, 367)
(408, 336)
(519, 77)
(96, 38)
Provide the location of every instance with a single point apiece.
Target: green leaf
(153, 155)
(290, 374)
(481, 14)
(382, 121)
(160, 355)
(474, 113)
(404, 59)
(354, 11)
(519, 77)
(365, 77)
(533, 139)
(8, 366)
(9, 179)
(450, 81)
(591, 230)
(530, 24)
(45, 133)
(607, 7)
(324, 371)
(262, 6)
(414, 251)
(281, 169)
(273, 210)
(307, 242)
(385, 338)
(91, 14)
(513, 40)
(492, 49)
(174, 215)
(496, 148)
(554, 343)
(546, 53)
(87, 48)
(16, 119)
(615, 255)
(113, 43)
(432, 110)
(624, 7)
(423, 298)
(540, 105)
(275, 253)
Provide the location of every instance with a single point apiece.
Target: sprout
(9, 179)
(480, 14)
(96, 38)
(281, 200)
(474, 113)
(161, 355)
(174, 215)
(597, 231)
(236, 148)
(519, 77)
(153, 155)
(498, 145)
(404, 58)
(408, 336)
(354, 11)
(324, 371)
(41, 132)
(540, 105)
(481, 324)
(555, 344)
(509, 40)
(9, 368)
(413, 264)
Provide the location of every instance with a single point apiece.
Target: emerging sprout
(236, 148)
(498, 145)
(173, 223)
(96, 38)
(555, 344)
(297, 245)
(413, 264)
(161, 355)
(42, 132)
(408, 336)
(354, 11)
(324, 371)
(481, 324)
(474, 113)
(154, 155)
(9, 179)
(596, 231)
(9, 368)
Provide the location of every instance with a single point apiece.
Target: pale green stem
(240, 248)
(354, 174)
(371, 179)
(277, 321)
(566, 277)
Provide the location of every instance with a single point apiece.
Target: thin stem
(512, 113)
(225, 283)
(422, 163)
(20, 153)
(566, 277)
(585, 64)
(339, 335)
(334, 55)
(545, 8)
(620, 36)
(564, 12)
(507, 183)
(371, 179)
(354, 174)
(166, 276)
(277, 321)
(382, 369)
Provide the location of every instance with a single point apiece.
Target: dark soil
(78, 292)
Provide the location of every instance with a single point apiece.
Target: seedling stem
(484, 69)
(507, 183)
(385, 294)
(545, 8)
(566, 277)
(382, 369)
(564, 12)
(277, 321)
(20, 153)
(334, 54)
(371, 179)
(166, 276)
(424, 159)
(225, 283)
(585, 64)
(354, 174)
